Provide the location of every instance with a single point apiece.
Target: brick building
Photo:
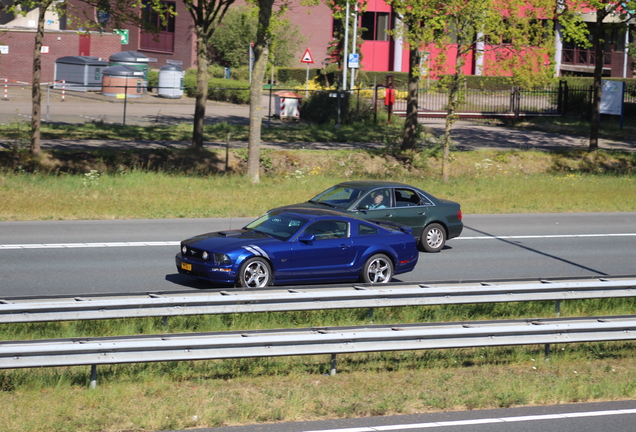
(176, 43)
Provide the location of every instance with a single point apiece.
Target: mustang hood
(224, 241)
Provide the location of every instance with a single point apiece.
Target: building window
(163, 39)
(375, 26)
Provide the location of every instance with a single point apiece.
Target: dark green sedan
(433, 220)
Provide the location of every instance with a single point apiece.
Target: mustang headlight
(220, 258)
(184, 249)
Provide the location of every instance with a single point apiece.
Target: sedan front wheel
(377, 269)
(433, 238)
(255, 273)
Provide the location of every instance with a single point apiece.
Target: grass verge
(178, 395)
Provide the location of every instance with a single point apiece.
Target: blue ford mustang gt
(298, 246)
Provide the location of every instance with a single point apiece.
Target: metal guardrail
(296, 299)
(312, 341)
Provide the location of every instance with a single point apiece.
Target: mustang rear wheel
(255, 273)
(377, 269)
(433, 238)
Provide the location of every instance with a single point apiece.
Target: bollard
(63, 89)
(93, 383)
(6, 89)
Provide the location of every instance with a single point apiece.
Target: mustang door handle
(344, 246)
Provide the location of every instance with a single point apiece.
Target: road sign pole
(353, 47)
(307, 81)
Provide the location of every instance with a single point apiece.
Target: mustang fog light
(220, 258)
(205, 256)
(224, 270)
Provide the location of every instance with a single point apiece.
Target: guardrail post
(370, 314)
(332, 370)
(557, 307)
(547, 352)
(93, 376)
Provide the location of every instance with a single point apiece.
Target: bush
(287, 75)
(219, 89)
(320, 108)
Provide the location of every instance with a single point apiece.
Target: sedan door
(411, 209)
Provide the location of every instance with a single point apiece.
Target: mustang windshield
(337, 196)
(278, 225)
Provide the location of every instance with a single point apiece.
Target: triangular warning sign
(307, 58)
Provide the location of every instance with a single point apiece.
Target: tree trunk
(202, 90)
(450, 113)
(36, 93)
(261, 51)
(409, 140)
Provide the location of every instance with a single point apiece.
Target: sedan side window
(408, 198)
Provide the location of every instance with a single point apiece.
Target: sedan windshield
(337, 196)
(278, 225)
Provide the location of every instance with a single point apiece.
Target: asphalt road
(592, 417)
(76, 257)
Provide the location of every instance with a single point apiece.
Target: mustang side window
(364, 229)
(328, 229)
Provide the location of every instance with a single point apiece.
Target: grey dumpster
(79, 73)
(133, 59)
(170, 82)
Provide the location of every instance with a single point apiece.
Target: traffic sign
(354, 60)
(307, 58)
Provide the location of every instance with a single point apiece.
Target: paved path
(79, 107)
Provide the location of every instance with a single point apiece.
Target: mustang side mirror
(307, 238)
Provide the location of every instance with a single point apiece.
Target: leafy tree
(336, 48)
(238, 30)
(206, 16)
(575, 30)
(264, 36)
(117, 11)
(422, 25)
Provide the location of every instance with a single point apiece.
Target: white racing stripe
(480, 421)
(260, 251)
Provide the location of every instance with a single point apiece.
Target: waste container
(170, 82)
(287, 105)
(133, 59)
(79, 73)
(123, 81)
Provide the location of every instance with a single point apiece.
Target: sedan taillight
(459, 214)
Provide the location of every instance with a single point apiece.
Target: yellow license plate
(185, 266)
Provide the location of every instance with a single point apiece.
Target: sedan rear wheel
(433, 238)
(377, 269)
(255, 273)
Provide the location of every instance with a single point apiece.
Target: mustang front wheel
(377, 269)
(433, 238)
(255, 273)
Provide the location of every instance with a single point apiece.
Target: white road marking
(88, 245)
(173, 243)
(541, 236)
(481, 421)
